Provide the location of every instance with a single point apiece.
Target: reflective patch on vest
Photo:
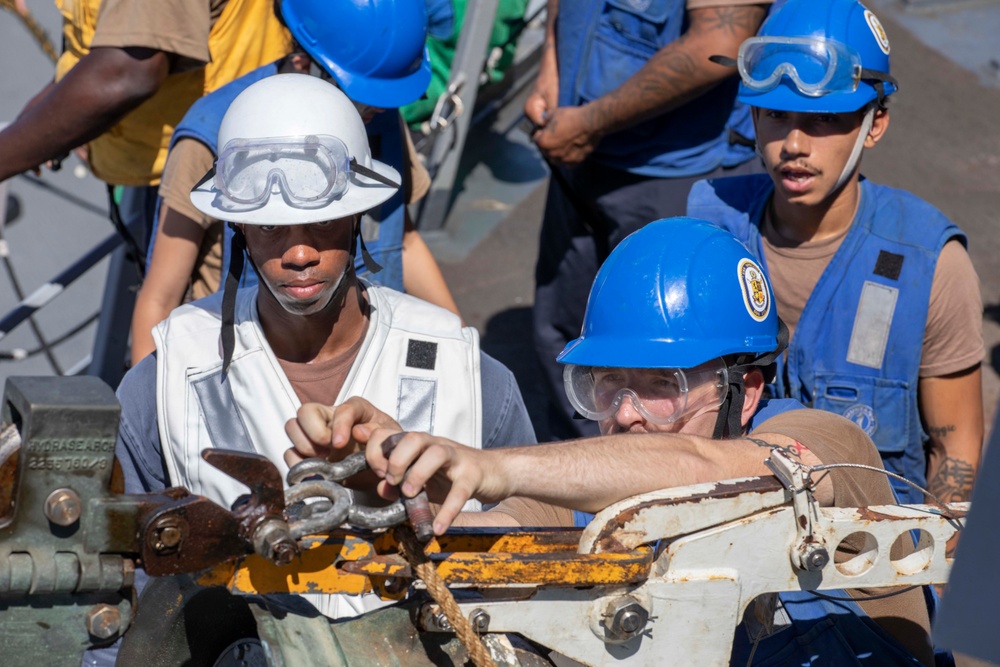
(888, 265)
(863, 416)
(421, 354)
(756, 294)
(416, 403)
(370, 228)
(220, 416)
(871, 325)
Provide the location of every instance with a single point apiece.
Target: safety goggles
(310, 171)
(816, 66)
(661, 395)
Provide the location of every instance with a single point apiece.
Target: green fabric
(506, 27)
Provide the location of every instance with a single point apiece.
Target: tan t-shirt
(188, 162)
(175, 26)
(953, 337)
(832, 439)
(321, 382)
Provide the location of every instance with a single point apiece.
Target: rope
(422, 566)
(33, 27)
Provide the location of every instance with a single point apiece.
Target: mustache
(797, 166)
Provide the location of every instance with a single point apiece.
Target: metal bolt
(624, 619)
(271, 540)
(167, 534)
(104, 621)
(441, 620)
(432, 619)
(814, 557)
(63, 507)
(395, 585)
(479, 620)
(630, 621)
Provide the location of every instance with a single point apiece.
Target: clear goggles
(311, 171)
(816, 66)
(661, 395)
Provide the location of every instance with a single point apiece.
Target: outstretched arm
(585, 474)
(104, 86)
(675, 75)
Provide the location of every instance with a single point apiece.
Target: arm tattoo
(739, 20)
(794, 449)
(939, 432)
(953, 481)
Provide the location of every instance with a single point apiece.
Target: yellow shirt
(245, 36)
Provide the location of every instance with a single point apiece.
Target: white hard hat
(293, 150)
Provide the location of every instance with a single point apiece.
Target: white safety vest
(417, 364)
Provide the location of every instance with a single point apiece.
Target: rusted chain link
(413, 552)
(33, 27)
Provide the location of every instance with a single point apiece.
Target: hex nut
(624, 619)
(480, 620)
(813, 557)
(104, 621)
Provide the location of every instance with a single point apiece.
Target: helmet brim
(616, 352)
(363, 195)
(785, 97)
(384, 93)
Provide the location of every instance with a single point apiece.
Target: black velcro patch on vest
(888, 265)
(421, 354)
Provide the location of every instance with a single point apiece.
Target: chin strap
(236, 252)
(729, 423)
(370, 263)
(852, 160)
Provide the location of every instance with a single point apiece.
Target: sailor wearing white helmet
(295, 174)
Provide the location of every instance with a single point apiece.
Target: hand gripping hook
(326, 518)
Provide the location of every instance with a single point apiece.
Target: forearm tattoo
(740, 20)
(939, 432)
(952, 483)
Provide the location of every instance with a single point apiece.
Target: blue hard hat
(816, 56)
(374, 49)
(675, 294)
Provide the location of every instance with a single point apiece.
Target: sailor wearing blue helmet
(875, 284)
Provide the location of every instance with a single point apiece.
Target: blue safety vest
(601, 44)
(856, 349)
(382, 228)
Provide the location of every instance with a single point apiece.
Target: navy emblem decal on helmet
(878, 31)
(756, 295)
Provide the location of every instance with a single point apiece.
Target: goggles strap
(372, 174)
(725, 61)
(237, 248)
